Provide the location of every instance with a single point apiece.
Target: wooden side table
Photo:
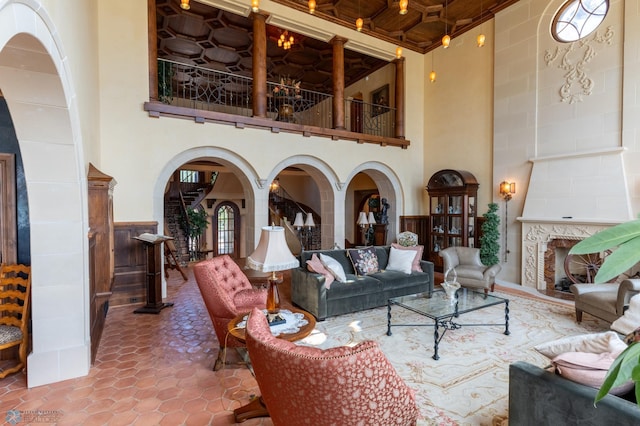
(256, 407)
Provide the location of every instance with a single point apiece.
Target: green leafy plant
(489, 245)
(624, 238)
(625, 367)
(197, 222)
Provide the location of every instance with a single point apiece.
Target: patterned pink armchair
(227, 292)
(339, 386)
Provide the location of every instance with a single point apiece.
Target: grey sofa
(359, 292)
(538, 397)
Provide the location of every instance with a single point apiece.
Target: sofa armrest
(308, 292)
(537, 397)
(427, 267)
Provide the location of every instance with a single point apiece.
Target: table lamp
(271, 255)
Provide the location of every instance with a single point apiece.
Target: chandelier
(285, 40)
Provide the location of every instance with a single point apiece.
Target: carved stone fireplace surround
(541, 235)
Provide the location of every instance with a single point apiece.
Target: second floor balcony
(211, 95)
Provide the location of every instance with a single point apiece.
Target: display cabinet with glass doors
(452, 212)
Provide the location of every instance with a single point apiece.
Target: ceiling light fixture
(184, 4)
(312, 6)
(446, 39)
(432, 74)
(359, 21)
(404, 6)
(286, 40)
(481, 38)
(255, 5)
(398, 52)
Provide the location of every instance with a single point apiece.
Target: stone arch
(389, 187)
(326, 180)
(55, 174)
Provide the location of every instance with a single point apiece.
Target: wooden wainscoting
(130, 283)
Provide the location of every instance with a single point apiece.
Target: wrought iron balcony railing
(211, 90)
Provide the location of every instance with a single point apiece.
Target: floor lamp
(507, 189)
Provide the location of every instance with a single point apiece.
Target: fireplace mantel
(538, 232)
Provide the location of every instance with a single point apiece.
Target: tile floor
(149, 370)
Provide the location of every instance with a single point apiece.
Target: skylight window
(577, 19)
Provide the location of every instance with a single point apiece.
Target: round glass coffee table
(257, 408)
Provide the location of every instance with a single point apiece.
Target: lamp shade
(310, 223)
(272, 253)
(298, 223)
(371, 219)
(362, 219)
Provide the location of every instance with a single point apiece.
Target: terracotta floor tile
(149, 370)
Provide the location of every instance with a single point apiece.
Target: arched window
(226, 229)
(577, 19)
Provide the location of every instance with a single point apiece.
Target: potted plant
(194, 226)
(625, 239)
(489, 245)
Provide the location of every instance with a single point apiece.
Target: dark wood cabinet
(452, 212)
(101, 251)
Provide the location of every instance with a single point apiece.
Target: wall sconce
(255, 5)
(507, 189)
(210, 202)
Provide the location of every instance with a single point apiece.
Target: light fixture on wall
(184, 4)
(507, 189)
(312, 6)
(404, 7)
(446, 39)
(359, 21)
(398, 52)
(255, 5)
(481, 38)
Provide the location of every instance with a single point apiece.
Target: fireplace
(545, 243)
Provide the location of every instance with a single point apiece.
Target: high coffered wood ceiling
(213, 38)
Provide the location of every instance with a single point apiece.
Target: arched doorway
(226, 229)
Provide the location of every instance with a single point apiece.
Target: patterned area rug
(468, 385)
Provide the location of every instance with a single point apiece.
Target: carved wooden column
(338, 81)
(399, 98)
(259, 65)
(153, 50)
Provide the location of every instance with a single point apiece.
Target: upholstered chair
(605, 301)
(226, 292)
(345, 385)
(469, 268)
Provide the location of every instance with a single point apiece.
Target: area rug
(468, 385)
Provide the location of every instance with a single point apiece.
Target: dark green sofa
(359, 292)
(539, 397)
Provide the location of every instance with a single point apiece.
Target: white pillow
(631, 318)
(400, 260)
(596, 343)
(334, 267)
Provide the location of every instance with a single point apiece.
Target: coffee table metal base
(445, 322)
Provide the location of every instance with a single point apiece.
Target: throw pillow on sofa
(415, 265)
(334, 267)
(596, 343)
(400, 260)
(364, 260)
(315, 265)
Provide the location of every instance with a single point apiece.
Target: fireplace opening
(555, 276)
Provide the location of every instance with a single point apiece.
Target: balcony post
(338, 81)
(153, 50)
(259, 65)
(399, 131)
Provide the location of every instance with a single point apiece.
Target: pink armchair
(339, 386)
(227, 292)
